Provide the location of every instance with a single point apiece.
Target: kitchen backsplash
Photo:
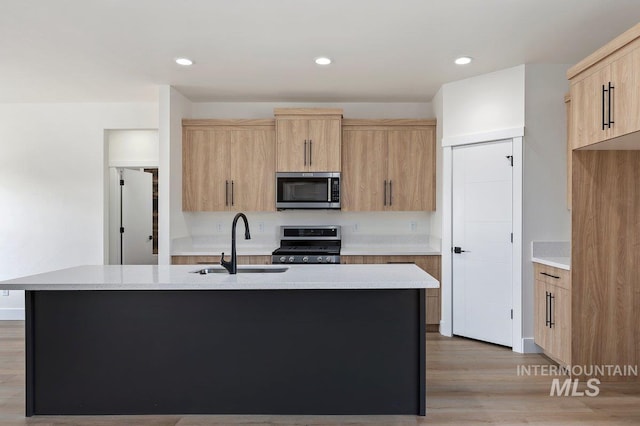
(357, 227)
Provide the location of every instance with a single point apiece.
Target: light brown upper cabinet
(388, 165)
(228, 165)
(308, 139)
(604, 92)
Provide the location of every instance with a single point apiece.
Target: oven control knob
(319, 259)
(291, 259)
(305, 259)
(283, 259)
(328, 259)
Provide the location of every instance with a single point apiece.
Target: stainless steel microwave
(307, 190)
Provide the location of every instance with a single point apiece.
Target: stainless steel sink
(241, 270)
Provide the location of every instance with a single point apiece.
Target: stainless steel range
(308, 244)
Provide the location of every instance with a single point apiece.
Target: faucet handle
(222, 259)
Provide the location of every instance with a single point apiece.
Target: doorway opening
(131, 196)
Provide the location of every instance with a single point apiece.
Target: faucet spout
(232, 266)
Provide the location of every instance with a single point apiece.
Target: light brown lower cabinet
(430, 264)
(215, 260)
(552, 312)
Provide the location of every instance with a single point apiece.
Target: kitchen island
(338, 339)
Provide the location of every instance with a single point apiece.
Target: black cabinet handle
(603, 120)
(549, 275)
(305, 150)
(385, 192)
(310, 152)
(390, 193)
(551, 313)
(547, 316)
(226, 192)
(232, 202)
(611, 87)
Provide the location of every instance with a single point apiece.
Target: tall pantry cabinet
(605, 216)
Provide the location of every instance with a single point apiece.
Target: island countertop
(181, 277)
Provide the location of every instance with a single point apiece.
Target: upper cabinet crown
(308, 139)
(604, 92)
(389, 165)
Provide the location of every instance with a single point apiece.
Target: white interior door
(137, 218)
(482, 210)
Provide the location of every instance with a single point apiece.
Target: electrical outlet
(414, 226)
(354, 227)
(5, 292)
(219, 227)
(261, 227)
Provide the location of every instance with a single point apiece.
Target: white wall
(351, 109)
(484, 104)
(545, 213)
(52, 186)
(173, 108)
(133, 148)
(500, 105)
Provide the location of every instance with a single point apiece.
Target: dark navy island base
(225, 352)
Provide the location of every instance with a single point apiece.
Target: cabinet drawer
(550, 275)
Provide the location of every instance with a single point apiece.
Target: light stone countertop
(556, 262)
(180, 277)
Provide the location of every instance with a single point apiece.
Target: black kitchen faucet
(232, 266)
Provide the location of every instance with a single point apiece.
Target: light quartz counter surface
(556, 262)
(181, 277)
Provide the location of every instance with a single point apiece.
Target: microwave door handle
(328, 189)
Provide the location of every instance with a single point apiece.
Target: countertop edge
(181, 277)
(554, 262)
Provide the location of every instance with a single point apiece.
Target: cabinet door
(561, 330)
(587, 109)
(625, 77)
(252, 170)
(411, 170)
(292, 145)
(540, 315)
(324, 145)
(205, 168)
(364, 155)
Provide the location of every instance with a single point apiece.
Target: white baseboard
(530, 347)
(12, 314)
(445, 328)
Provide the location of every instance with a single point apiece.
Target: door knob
(458, 250)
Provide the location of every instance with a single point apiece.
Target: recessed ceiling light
(463, 60)
(184, 61)
(323, 60)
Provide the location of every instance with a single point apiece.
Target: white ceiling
(263, 50)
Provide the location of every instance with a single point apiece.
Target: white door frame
(516, 134)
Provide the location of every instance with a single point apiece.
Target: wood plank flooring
(468, 382)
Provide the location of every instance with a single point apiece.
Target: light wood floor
(468, 382)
